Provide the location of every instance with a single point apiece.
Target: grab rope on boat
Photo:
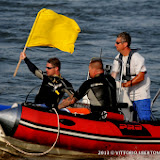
(38, 154)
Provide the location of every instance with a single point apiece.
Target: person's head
(95, 67)
(53, 67)
(123, 41)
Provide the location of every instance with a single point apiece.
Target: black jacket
(52, 88)
(101, 91)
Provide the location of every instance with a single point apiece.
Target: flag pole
(16, 70)
(19, 62)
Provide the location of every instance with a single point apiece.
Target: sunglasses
(118, 42)
(50, 67)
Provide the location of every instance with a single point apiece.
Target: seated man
(98, 90)
(53, 86)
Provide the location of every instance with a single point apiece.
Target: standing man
(134, 75)
(100, 91)
(53, 86)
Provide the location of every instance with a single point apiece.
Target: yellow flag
(53, 30)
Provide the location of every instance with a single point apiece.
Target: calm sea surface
(100, 22)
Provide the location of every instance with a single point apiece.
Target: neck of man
(57, 74)
(98, 73)
(125, 51)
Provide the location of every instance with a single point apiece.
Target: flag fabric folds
(53, 30)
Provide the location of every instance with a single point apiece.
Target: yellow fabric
(53, 30)
(57, 92)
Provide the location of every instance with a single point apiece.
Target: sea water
(100, 22)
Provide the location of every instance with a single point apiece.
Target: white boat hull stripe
(92, 137)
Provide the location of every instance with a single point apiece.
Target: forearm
(68, 101)
(139, 78)
(33, 68)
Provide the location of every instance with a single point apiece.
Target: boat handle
(67, 122)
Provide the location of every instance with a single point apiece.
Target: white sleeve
(138, 63)
(116, 65)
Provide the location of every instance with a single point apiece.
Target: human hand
(123, 84)
(23, 55)
(127, 84)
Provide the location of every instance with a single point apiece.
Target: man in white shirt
(134, 75)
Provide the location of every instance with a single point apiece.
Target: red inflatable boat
(77, 132)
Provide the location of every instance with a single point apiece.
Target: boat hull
(81, 134)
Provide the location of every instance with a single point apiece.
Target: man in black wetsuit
(100, 90)
(53, 86)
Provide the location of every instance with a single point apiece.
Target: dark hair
(97, 63)
(125, 37)
(95, 59)
(55, 62)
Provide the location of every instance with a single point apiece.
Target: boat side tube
(9, 119)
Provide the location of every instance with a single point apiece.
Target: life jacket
(128, 74)
(52, 91)
(112, 92)
(47, 94)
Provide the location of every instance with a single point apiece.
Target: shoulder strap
(66, 89)
(120, 62)
(128, 70)
(109, 81)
